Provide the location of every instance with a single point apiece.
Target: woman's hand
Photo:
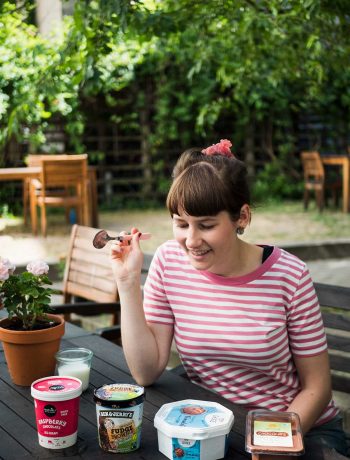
(127, 258)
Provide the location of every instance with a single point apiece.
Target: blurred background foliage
(184, 73)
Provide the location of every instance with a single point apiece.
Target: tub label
(117, 413)
(119, 430)
(191, 415)
(277, 434)
(57, 420)
(186, 449)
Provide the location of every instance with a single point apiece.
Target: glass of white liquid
(75, 362)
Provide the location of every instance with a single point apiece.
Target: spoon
(101, 238)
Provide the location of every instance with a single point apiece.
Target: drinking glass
(75, 362)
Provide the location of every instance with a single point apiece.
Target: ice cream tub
(56, 402)
(119, 410)
(193, 430)
(273, 433)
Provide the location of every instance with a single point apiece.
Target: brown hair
(204, 185)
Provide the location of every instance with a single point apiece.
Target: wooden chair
(34, 159)
(88, 276)
(63, 183)
(315, 180)
(88, 286)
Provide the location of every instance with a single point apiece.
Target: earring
(240, 230)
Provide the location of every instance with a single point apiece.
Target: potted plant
(30, 336)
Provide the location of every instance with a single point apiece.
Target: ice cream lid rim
(55, 381)
(136, 390)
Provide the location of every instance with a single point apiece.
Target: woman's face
(209, 241)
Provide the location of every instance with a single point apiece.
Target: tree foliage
(242, 68)
(40, 78)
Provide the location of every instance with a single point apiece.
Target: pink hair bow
(222, 148)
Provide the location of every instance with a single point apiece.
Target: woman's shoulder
(291, 260)
(170, 249)
(286, 253)
(169, 255)
(275, 254)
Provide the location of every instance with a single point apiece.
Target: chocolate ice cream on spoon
(101, 238)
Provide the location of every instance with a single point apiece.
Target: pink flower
(4, 273)
(222, 148)
(6, 269)
(38, 267)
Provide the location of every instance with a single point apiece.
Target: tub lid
(193, 419)
(271, 432)
(118, 392)
(56, 388)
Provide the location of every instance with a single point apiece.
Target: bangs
(198, 191)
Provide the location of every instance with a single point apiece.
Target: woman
(245, 317)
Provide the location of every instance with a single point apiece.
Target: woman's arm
(306, 335)
(314, 396)
(315, 393)
(316, 390)
(146, 346)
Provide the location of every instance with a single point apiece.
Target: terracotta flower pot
(30, 355)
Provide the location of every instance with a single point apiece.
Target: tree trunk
(249, 148)
(267, 138)
(12, 153)
(48, 16)
(145, 144)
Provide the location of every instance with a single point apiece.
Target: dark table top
(18, 434)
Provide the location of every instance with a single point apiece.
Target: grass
(291, 222)
(274, 223)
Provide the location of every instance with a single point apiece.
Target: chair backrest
(69, 171)
(88, 272)
(34, 159)
(312, 166)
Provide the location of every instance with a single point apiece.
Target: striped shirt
(237, 335)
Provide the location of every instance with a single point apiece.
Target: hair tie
(222, 148)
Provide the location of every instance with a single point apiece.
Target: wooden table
(32, 172)
(12, 174)
(344, 162)
(17, 421)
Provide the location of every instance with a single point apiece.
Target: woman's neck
(245, 258)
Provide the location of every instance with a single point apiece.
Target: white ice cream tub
(192, 429)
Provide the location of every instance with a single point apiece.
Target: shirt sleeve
(307, 336)
(155, 302)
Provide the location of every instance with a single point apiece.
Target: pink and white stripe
(237, 336)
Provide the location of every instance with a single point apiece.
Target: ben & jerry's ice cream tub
(119, 409)
(193, 430)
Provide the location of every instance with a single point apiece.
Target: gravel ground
(288, 224)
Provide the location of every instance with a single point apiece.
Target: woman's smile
(198, 254)
(209, 241)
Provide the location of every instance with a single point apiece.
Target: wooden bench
(335, 306)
